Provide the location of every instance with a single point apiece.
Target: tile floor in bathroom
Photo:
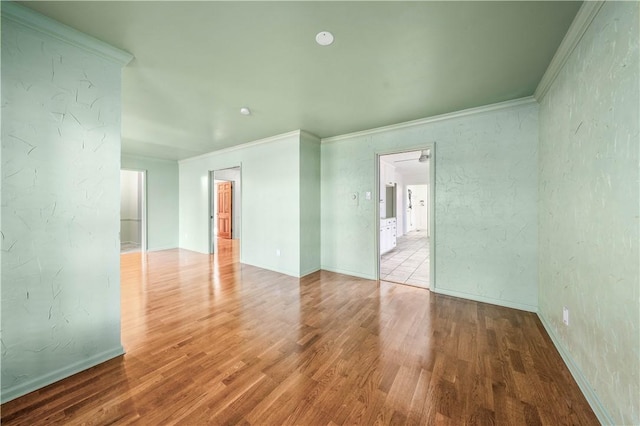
(408, 263)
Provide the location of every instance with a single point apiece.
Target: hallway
(408, 263)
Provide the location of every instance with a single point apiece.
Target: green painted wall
(270, 201)
(60, 204)
(162, 199)
(589, 209)
(485, 202)
(309, 204)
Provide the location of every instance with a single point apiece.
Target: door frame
(211, 214)
(432, 222)
(143, 202)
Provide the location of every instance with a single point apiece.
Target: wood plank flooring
(211, 341)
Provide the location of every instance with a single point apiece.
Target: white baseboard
(587, 390)
(36, 383)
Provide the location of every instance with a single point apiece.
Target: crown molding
(579, 26)
(270, 139)
(54, 29)
(529, 100)
(309, 135)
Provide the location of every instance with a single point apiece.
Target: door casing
(432, 191)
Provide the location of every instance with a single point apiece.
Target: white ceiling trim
(448, 116)
(54, 29)
(270, 139)
(579, 26)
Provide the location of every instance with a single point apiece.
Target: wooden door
(224, 210)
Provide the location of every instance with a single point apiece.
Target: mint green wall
(309, 204)
(162, 199)
(589, 209)
(270, 201)
(485, 195)
(60, 204)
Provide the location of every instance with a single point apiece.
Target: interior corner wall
(485, 203)
(162, 199)
(589, 208)
(309, 204)
(60, 209)
(270, 201)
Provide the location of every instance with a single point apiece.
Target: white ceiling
(197, 63)
(407, 165)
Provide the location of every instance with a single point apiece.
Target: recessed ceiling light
(245, 111)
(324, 38)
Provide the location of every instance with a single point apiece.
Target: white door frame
(431, 209)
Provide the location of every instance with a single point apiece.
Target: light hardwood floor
(211, 341)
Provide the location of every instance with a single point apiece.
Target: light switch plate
(565, 315)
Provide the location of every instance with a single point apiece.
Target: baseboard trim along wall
(57, 375)
(587, 390)
(351, 273)
(162, 248)
(283, 271)
(490, 300)
(308, 272)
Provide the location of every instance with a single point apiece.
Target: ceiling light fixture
(424, 156)
(324, 38)
(245, 111)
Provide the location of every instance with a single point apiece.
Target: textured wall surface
(589, 209)
(309, 204)
(60, 209)
(485, 203)
(270, 201)
(162, 199)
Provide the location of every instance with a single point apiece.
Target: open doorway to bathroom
(405, 218)
(133, 215)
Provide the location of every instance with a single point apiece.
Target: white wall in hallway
(418, 214)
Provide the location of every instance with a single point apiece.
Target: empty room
(320, 213)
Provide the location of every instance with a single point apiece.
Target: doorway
(225, 207)
(133, 211)
(405, 248)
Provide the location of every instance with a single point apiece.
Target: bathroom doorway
(405, 203)
(133, 211)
